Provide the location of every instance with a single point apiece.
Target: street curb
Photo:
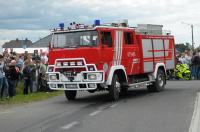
(195, 122)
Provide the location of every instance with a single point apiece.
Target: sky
(33, 19)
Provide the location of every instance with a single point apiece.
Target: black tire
(123, 91)
(70, 95)
(114, 88)
(159, 84)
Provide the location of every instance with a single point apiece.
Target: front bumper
(62, 82)
(72, 86)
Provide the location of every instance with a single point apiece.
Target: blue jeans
(28, 83)
(11, 87)
(194, 70)
(198, 72)
(4, 87)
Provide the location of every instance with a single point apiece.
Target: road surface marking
(70, 125)
(195, 122)
(95, 113)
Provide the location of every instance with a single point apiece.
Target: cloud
(33, 35)
(42, 15)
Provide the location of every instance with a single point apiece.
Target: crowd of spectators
(28, 69)
(192, 59)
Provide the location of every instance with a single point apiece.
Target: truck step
(140, 84)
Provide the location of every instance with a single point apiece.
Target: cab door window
(106, 39)
(128, 38)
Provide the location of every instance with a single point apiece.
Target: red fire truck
(110, 57)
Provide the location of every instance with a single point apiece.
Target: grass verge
(31, 97)
(38, 96)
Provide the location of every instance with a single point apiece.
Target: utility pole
(192, 26)
(192, 36)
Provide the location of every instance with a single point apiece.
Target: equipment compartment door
(148, 58)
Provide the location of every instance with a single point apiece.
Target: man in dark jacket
(28, 76)
(12, 74)
(195, 66)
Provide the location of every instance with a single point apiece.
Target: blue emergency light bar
(61, 25)
(97, 23)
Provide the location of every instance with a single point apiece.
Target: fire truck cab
(110, 57)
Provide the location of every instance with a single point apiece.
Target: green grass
(31, 97)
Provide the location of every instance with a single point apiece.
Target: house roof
(42, 43)
(18, 43)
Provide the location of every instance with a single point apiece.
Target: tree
(183, 47)
(189, 46)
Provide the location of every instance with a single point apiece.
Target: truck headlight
(52, 85)
(50, 69)
(92, 76)
(91, 85)
(53, 77)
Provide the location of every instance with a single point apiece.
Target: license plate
(71, 86)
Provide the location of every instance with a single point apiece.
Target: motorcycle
(182, 71)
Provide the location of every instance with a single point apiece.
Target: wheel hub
(117, 86)
(160, 80)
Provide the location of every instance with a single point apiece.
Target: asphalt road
(140, 111)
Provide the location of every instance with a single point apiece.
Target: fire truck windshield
(75, 39)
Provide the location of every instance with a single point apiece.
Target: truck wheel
(159, 83)
(123, 90)
(114, 88)
(70, 95)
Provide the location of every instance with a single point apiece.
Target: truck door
(130, 59)
(107, 48)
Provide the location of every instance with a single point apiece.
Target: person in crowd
(182, 58)
(33, 75)
(12, 74)
(37, 61)
(27, 77)
(198, 69)
(44, 57)
(19, 66)
(41, 75)
(3, 80)
(198, 52)
(187, 58)
(195, 65)
(20, 62)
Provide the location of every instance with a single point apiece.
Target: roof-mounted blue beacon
(61, 25)
(96, 22)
